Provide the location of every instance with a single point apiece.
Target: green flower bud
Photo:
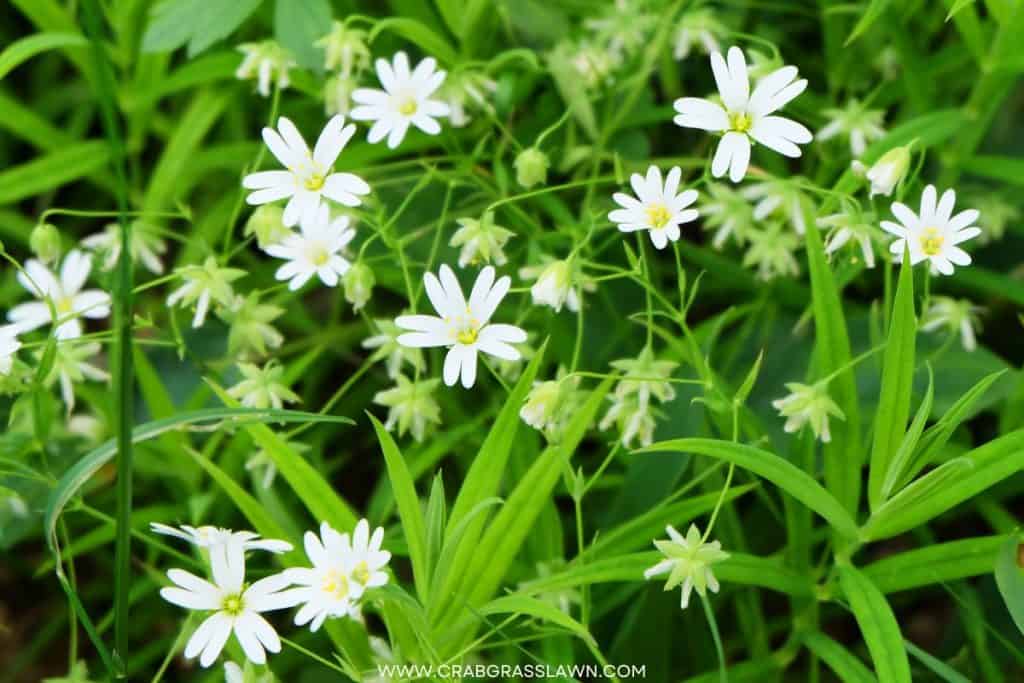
(532, 167)
(45, 242)
(888, 171)
(358, 281)
(267, 223)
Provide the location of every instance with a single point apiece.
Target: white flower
(481, 240)
(728, 213)
(236, 607)
(64, 293)
(845, 228)
(658, 208)
(233, 673)
(934, 233)
(209, 536)
(700, 28)
(205, 284)
(411, 406)
(644, 377)
(404, 101)
(887, 172)
(782, 196)
(315, 250)
(262, 387)
(554, 287)
(262, 61)
(463, 327)
(550, 405)
(310, 175)
(688, 561)
(70, 366)
(147, 246)
(956, 315)
(860, 124)
(370, 560)
(808, 404)
(9, 346)
(772, 251)
(465, 90)
(746, 116)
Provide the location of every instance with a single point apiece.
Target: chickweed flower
(71, 366)
(886, 173)
(594, 64)
(959, 316)
(404, 101)
(746, 116)
(688, 562)
(856, 122)
(550, 405)
(210, 536)
(262, 387)
(772, 251)
(44, 241)
(387, 348)
(808, 404)
(147, 246)
(698, 28)
(531, 167)
(310, 175)
(781, 197)
(481, 241)
(265, 62)
(934, 233)
(250, 332)
(411, 406)
(847, 228)
(554, 286)
(9, 346)
(370, 558)
(466, 91)
(205, 284)
(236, 607)
(632, 409)
(267, 224)
(659, 208)
(345, 49)
(358, 282)
(728, 213)
(463, 327)
(64, 293)
(314, 250)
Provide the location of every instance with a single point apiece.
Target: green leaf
(418, 33)
(985, 466)
(934, 564)
(573, 91)
(200, 23)
(436, 520)
(1010, 578)
(924, 131)
(53, 170)
(935, 665)
(408, 508)
(845, 664)
(877, 625)
(902, 461)
(870, 16)
(299, 25)
(21, 50)
(957, 6)
(782, 473)
(1007, 169)
(538, 609)
(897, 385)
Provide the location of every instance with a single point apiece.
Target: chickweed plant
(445, 340)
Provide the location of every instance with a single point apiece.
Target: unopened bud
(531, 167)
(358, 282)
(45, 242)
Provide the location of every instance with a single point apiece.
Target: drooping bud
(532, 167)
(887, 172)
(45, 242)
(267, 224)
(358, 282)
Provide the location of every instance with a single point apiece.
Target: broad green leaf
(919, 491)
(782, 473)
(416, 32)
(843, 454)
(934, 564)
(845, 664)
(897, 385)
(1007, 169)
(902, 461)
(988, 465)
(877, 625)
(22, 50)
(924, 131)
(53, 170)
(538, 609)
(1010, 577)
(871, 15)
(200, 23)
(409, 511)
(216, 66)
(299, 25)
(957, 6)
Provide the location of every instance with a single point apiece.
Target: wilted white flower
(698, 28)
(264, 467)
(265, 61)
(236, 606)
(624, 26)
(550, 405)
(934, 233)
(781, 197)
(996, 214)
(310, 175)
(643, 378)
(262, 387)
(250, 331)
(659, 208)
(728, 213)
(959, 316)
(746, 116)
(845, 228)
(205, 284)
(411, 406)
(808, 404)
(147, 246)
(481, 241)
(554, 285)
(405, 100)
(315, 250)
(465, 91)
(688, 562)
(9, 346)
(64, 293)
(71, 366)
(593, 64)
(859, 124)
(463, 327)
(390, 351)
(338, 91)
(887, 172)
(772, 251)
(345, 49)
(210, 536)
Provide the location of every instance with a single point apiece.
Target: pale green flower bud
(888, 171)
(358, 282)
(532, 167)
(267, 224)
(45, 242)
(553, 286)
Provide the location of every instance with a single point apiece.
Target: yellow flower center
(658, 216)
(467, 336)
(315, 182)
(407, 107)
(335, 583)
(64, 305)
(931, 241)
(233, 604)
(318, 255)
(361, 573)
(740, 121)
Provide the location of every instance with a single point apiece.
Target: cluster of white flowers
(344, 567)
(645, 379)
